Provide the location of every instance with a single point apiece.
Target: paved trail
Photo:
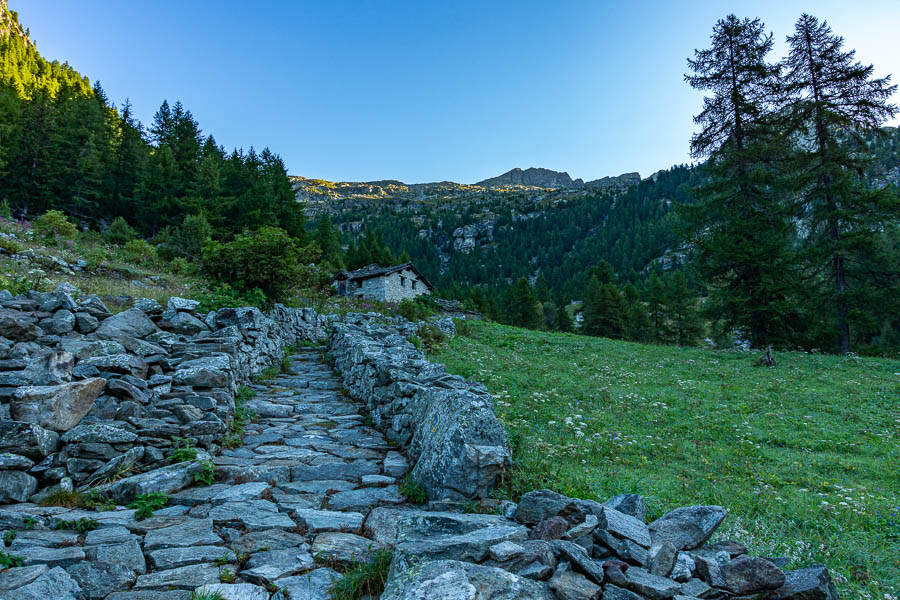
(293, 500)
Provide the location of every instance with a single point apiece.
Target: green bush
(53, 226)
(224, 296)
(119, 232)
(268, 259)
(95, 257)
(431, 336)
(414, 309)
(139, 252)
(9, 245)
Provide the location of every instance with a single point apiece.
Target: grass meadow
(805, 456)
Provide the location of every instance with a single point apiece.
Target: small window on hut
(414, 283)
(402, 281)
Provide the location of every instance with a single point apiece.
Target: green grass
(363, 579)
(804, 456)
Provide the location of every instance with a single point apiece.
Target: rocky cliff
(533, 176)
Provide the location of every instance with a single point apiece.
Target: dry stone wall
(86, 395)
(446, 424)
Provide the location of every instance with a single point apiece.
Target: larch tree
(832, 102)
(741, 223)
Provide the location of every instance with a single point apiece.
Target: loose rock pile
(563, 548)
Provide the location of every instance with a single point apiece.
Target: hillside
(805, 457)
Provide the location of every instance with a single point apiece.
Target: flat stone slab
(54, 583)
(452, 580)
(351, 471)
(239, 493)
(171, 558)
(253, 514)
(344, 548)
(234, 591)
(365, 498)
(309, 586)
(182, 578)
(317, 521)
(318, 486)
(52, 557)
(193, 532)
(266, 567)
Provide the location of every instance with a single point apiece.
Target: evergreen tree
(604, 310)
(741, 223)
(564, 319)
(524, 308)
(329, 243)
(832, 101)
(656, 309)
(637, 321)
(686, 326)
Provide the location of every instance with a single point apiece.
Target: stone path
(291, 503)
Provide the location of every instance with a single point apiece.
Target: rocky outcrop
(619, 183)
(533, 176)
(447, 425)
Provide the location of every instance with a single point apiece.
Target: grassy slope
(805, 456)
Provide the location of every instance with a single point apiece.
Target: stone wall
(446, 424)
(86, 395)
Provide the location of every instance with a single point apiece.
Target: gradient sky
(430, 90)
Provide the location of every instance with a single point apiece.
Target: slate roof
(375, 270)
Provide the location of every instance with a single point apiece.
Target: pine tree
(656, 309)
(833, 100)
(604, 310)
(564, 319)
(637, 326)
(681, 309)
(524, 308)
(329, 243)
(741, 224)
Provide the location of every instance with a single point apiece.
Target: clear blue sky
(429, 90)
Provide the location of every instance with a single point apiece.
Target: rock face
(533, 176)
(457, 446)
(59, 407)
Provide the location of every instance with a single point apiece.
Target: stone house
(385, 284)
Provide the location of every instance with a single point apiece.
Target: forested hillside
(64, 145)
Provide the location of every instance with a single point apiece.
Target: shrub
(414, 310)
(431, 336)
(95, 257)
(9, 245)
(189, 239)
(180, 266)
(119, 232)
(225, 296)
(268, 259)
(53, 226)
(139, 252)
(5, 210)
